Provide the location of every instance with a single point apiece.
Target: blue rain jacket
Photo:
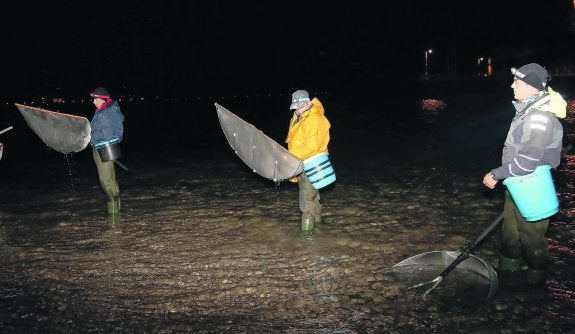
(107, 124)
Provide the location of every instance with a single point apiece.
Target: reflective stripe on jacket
(535, 137)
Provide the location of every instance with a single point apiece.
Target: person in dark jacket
(534, 139)
(106, 127)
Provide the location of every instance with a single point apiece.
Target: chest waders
(107, 176)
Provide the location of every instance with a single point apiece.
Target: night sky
(184, 48)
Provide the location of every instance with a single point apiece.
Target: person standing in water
(534, 139)
(106, 125)
(308, 135)
(2, 145)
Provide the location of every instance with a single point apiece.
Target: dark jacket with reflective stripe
(534, 139)
(107, 124)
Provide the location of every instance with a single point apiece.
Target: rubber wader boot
(535, 277)
(307, 224)
(509, 265)
(509, 273)
(317, 220)
(114, 207)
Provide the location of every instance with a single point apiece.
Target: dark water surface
(204, 245)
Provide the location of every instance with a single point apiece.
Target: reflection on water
(204, 245)
(433, 105)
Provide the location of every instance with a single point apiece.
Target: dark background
(169, 62)
(185, 48)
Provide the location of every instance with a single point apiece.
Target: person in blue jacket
(106, 127)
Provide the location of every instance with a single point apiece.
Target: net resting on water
(436, 261)
(261, 153)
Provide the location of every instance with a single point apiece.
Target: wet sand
(204, 245)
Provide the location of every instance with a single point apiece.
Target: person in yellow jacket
(308, 135)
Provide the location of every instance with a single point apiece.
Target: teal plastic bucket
(534, 194)
(318, 170)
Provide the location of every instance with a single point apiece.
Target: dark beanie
(100, 92)
(533, 74)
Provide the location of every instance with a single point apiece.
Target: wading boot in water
(114, 207)
(535, 278)
(307, 224)
(317, 220)
(509, 265)
(509, 273)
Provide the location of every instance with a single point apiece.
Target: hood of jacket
(549, 101)
(557, 105)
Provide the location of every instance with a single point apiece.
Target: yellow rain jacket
(309, 135)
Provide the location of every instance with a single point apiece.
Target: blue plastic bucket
(534, 194)
(318, 170)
